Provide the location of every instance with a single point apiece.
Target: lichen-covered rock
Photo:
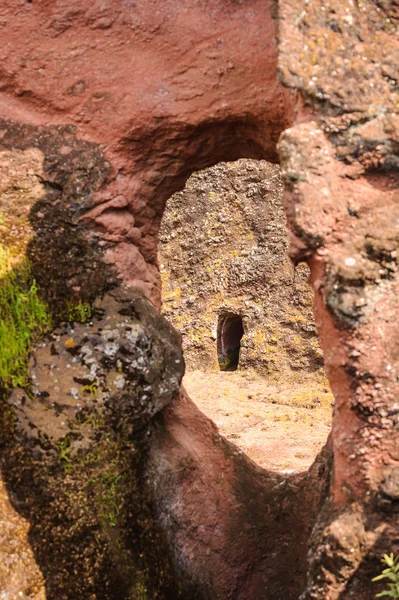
(234, 260)
(145, 93)
(122, 367)
(351, 243)
(340, 169)
(48, 179)
(74, 447)
(341, 55)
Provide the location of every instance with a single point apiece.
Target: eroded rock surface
(341, 176)
(223, 543)
(146, 93)
(74, 451)
(48, 180)
(167, 88)
(20, 576)
(235, 261)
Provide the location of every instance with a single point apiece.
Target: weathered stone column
(341, 176)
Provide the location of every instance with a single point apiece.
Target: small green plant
(23, 318)
(140, 591)
(91, 389)
(107, 494)
(392, 574)
(80, 312)
(109, 497)
(64, 448)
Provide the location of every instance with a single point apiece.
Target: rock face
(341, 175)
(19, 573)
(113, 106)
(187, 100)
(48, 178)
(74, 456)
(235, 262)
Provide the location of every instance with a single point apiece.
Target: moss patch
(23, 317)
(79, 312)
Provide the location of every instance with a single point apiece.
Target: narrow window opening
(229, 334)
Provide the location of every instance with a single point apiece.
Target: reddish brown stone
(167, 87)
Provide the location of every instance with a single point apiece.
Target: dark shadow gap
(229, 334)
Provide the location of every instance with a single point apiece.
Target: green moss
(79, 313)
(109, 497)
(64, 448)
(23, 318)
(91, 389)
(102, 490)
(140, 591)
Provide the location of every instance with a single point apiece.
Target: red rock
(169, 87)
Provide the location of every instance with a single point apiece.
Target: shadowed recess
(229, 334)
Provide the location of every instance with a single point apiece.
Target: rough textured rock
(235, 261)
(340, 172)
(167, 88)
(155, 91)
(74, 452)
(48, 178)
(246, 537)
(20, 576)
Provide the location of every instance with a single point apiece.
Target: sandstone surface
(235, 261)
(123, 102)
